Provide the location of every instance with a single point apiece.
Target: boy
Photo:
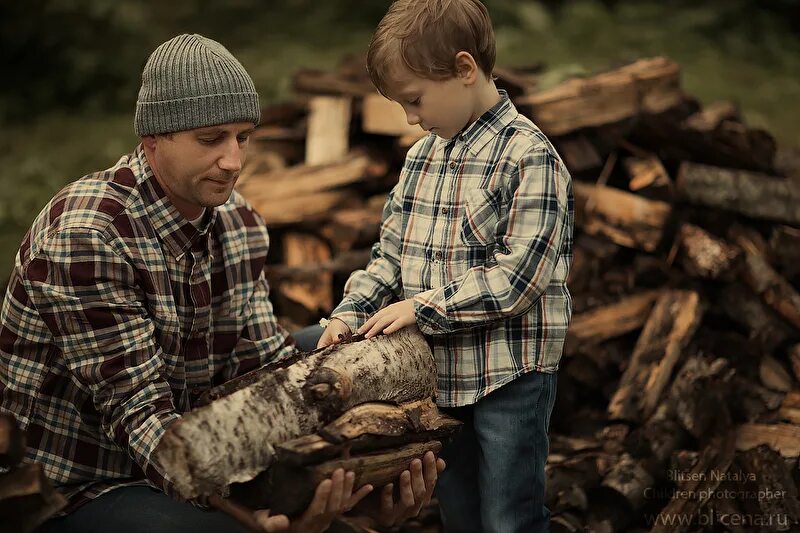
(476, 243)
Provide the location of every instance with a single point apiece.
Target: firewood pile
(679, 392)
(27, 497)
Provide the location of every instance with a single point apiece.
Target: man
(137, 288)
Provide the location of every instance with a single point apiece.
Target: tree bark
(232, 438)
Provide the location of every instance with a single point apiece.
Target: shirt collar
(487, 126)
(173, 229)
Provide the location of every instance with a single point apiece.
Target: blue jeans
(306, 339)
(140, 509)
(494, 481)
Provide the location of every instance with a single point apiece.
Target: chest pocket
(482, 212)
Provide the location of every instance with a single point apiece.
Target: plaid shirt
(478, 231)
(118, 312)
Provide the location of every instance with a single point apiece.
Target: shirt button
(438, 256)
(452, 164)
(445, 210)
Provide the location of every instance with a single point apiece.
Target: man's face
(442, 107)
(198, 168)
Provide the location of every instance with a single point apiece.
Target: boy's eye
(415, 101)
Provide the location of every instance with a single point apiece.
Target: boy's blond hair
(424, 36)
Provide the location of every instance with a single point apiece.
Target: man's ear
(466, 68)
(149, 142)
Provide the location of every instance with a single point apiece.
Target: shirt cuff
(431, 311)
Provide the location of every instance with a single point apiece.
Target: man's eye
(208, 140)
(243, 138)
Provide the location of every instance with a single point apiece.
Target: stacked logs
(679, 400)
(27, 497)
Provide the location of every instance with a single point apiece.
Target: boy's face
(442, 107)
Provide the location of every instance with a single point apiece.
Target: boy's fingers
(387, 500)
(417, 480)
(440, 465)
(406, 491)
(272, 524)
(359, 495)
(429, 469)
(320, 501)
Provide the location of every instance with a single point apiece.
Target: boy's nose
(412, 119)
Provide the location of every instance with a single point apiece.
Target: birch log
(232, 438)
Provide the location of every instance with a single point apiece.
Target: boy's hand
(332, 331)
(333, 497)
(390, 319)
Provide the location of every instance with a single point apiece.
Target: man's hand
(415, 490)
(390, 319)
(333, 497)
(332, 331)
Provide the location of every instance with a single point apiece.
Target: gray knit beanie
(191, 82)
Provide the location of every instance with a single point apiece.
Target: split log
(659, 349)
(321, 82)
(12, 442)
(778, 497)
(344, 263)
(698, 397)
(328, 137)
(790, 407)
(704, 255)
(694, 487)
(27, 499)
(748, 193)
(351, 227)
(369, 427)
(759, 275)
(745, 308)
(783, 438)
(302, 180)
(773, 375)
(232, 438)
(646, 172)
(291, 487)
(315, 295)
(731, 144)
(711, 116)
(794, 360)
(630, 478)
(308, 208)
(784, 246)
(579, 153)
(625, 218)
(600, 324)
(646, 86)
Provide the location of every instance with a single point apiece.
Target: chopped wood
(711, 116)
(646, 172)
(291, 487)
(321, 82)
(773, 375)
(783, 438)
(622, 217)
(749, 193)
(343, 263)
(308, 208)
(328, 137)
(695, 489)
(232, 438)
(776, 292)
(790, 407)
(609, 321)
(646, 86)
(667, 332)
(579, 153)
(314, 294)
(794, 360)
(703, 255)
(772, 482)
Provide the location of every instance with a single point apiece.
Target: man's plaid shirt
(478, 231)
(117, 312)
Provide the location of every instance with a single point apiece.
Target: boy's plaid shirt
(478, 232)
(117, 312)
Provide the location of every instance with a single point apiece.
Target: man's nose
(232, 157)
